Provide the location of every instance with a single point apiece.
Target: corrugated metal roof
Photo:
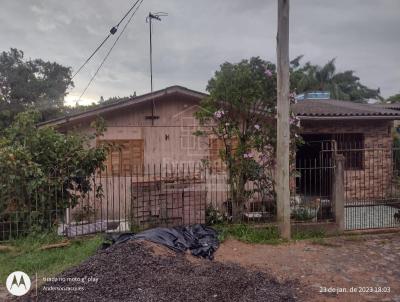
(336, 108)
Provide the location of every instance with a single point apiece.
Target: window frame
(133, 169)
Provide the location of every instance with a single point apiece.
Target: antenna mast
(149, 18)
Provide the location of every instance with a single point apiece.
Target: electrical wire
(112, 47)
(113, 30)
(93, 53)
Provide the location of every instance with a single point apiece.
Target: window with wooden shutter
(125, 157)
(216, 147)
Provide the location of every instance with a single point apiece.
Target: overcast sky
(197, 36)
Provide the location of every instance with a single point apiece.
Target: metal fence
(132, 199)
(371, 180)
(372, 187)
(158, 195)
(188, 193)
(312, 201)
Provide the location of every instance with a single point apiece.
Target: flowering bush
(241, 110)
(219, 114)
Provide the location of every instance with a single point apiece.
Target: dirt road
(369, 263)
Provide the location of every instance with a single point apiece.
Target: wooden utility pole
(283, 131)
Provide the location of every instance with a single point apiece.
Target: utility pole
(150, 17)
(283, 131)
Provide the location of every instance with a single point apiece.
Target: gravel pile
(134, 271)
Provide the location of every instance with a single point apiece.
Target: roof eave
(116, 106)
(356, 117)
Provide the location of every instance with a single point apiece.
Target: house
(361, 132)
(164, 137)
(392, 106)
(152, 172)
(157, 129)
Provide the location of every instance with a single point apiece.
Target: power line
(93, 53)
(112, 47)
(113, 30)
(127, 13)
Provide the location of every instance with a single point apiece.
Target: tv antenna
(153, 16)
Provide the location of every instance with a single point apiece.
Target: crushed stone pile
(135, 271)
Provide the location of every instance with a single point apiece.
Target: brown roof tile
(336, 108)
(393, 106)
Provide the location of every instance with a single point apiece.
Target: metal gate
(372, 188)
(371, 179)
(314, 178)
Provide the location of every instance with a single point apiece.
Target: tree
(393, 99)
(27, 84)
(70, 110)
(240, 112)
(341, 85)
(42, 171)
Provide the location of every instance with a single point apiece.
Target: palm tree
(342, 86)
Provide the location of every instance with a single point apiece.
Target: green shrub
(213, 215)
(42, 172)
(303, 214)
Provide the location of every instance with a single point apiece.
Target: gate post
(338, 192)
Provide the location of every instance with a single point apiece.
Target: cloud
(197, 36)
(45, 26)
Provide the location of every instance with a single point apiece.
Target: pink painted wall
(170, 140)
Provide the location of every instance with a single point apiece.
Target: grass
(248, 233)
(264, 234)
(303, 235)
(25, 255)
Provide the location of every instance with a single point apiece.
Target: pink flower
(248, 155)
(268, 73)
(257, 127)
(293, 97)
(264, 157)
(218, 114)
(294, 120)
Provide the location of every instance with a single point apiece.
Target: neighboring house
(392, 106)
(166, 137)
(361, 132)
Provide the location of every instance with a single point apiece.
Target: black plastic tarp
(201, 240)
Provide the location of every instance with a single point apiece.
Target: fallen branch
(54, 245)
(6, 248)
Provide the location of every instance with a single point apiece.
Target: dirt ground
(303, 271)
(368, 263)
(137, 271)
